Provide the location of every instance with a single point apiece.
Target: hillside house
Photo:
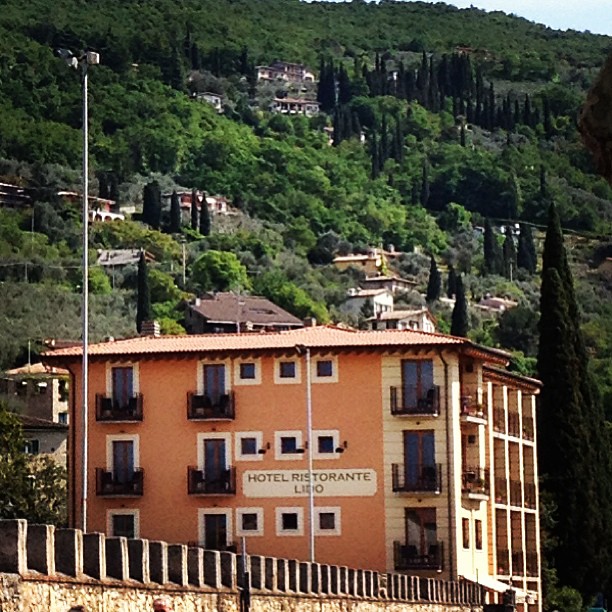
(395, 284)
(418, 319)
(295, 106)
(14, 195)
(371, 263)
(373, 301)
(233, 313)
(285, 71)
(215, 100)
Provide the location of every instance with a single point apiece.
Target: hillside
(440, 118)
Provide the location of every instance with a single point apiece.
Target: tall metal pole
(310, 452)
(85, 294)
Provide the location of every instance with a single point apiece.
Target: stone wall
(50, 570)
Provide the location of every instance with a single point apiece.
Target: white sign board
(296, 483)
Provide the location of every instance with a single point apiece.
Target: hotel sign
(297, 483)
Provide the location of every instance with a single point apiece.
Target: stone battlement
(51, 569)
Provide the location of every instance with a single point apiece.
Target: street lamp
(86, 59)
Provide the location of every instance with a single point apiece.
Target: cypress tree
(460, 318)
(492, 252)
(573, 445)
(425, 184)
(143, 306)
(175, 213)
(451, 282)
(204, 218)
(103, 191)
(151, 205)
(194, 209)
(434, 284)
(509, 253)
(526, 256)
(375, 155)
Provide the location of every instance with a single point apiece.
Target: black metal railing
(531, 564)
(128, 483)
(476, 411)
(514, 427)
(528, 428)
(420, 479)
(410, 557)
(204, 407)
(475, 480)
(501, 490)
(109, 408)
(409, 400)
(499, 420)
(515, 493)
(503, 561)
(518, 564)
(222, 482)
(530, 495)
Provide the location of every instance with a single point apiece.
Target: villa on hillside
(294, 106)
(419, 319)
(285, 71)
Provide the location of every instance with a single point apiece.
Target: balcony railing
(514, 428)
(501, 492)
(409, 557)
(411, 400)
(130, 483)
(528, 429)
(531, 563)
(203, 407)
(499, 420)
(475, 480)
(420, 479)
(503, 561)
(515, 493)
(111, 409)
(518, 565)
(221, 483)
(470, 408)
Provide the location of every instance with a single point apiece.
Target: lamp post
(83, 61)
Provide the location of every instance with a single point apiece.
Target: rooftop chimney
(150, 328)
(310, 322)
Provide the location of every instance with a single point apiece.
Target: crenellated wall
(50, 570)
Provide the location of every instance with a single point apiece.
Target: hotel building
(396, 450)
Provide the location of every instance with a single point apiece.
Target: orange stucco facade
(414, 450)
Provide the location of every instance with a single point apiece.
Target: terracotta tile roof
(319, 337)
(30, 422)
(396, 315)
(37, 369)
(229, 308)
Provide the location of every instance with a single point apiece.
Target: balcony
(413, 401)
(531, 563)
(516, 498)
(501, 491)
(128, 484)
(472, 411)
(528, 428)
(408, 557)
(518, 565)
(503, 562)
(514, 428)
(222, 483)
(499, 420)
(109, 409)
(530, 495)
(475, 481)
(205, 408)
(417, 479)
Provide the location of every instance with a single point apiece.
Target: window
(465, 528)
(123, 386)
(478, 533)
(214, 383)
(290, 521)
(41, 388)
(247, 371)
(32, 447)
(249, 521)
(63, 390)
(287, 369)
(417, 383)
(123, 523)
(288, 445)
(326, 444)
(421, 533)
(122, 458)
(62, 417)
(215, 528)
(420, 469)
(249, 446)
(327, 521)
(325, 368)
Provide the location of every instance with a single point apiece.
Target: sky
(592, 15)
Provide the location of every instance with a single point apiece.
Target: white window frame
(228, 518)
(134, 438)
(122, 364)
(296, 380)
(316, 434)
(200, 373)
(216, 436)
(248, 532)
(325, 379)
(299, 442)
(280, 510)
(114, 511)
(337, 512)
(238, 382)
(239, 436)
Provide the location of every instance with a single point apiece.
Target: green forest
(438, 127)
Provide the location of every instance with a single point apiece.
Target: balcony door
(420, 459)
(214, 382)
(417, 381)
(123, 387)
(123, 461)
(215, 461)
(421, 532)
(215, 531)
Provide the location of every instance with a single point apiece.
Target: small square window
(465, 528)
(289, 521)
(123, 525)
(326, 444)
(62, 417)
(247, 371)
(327, 520)
(289, 445)
(478, 534)
(249, 521)
(32, 447)
(248, 446)
(287, 369)
(325, 368)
